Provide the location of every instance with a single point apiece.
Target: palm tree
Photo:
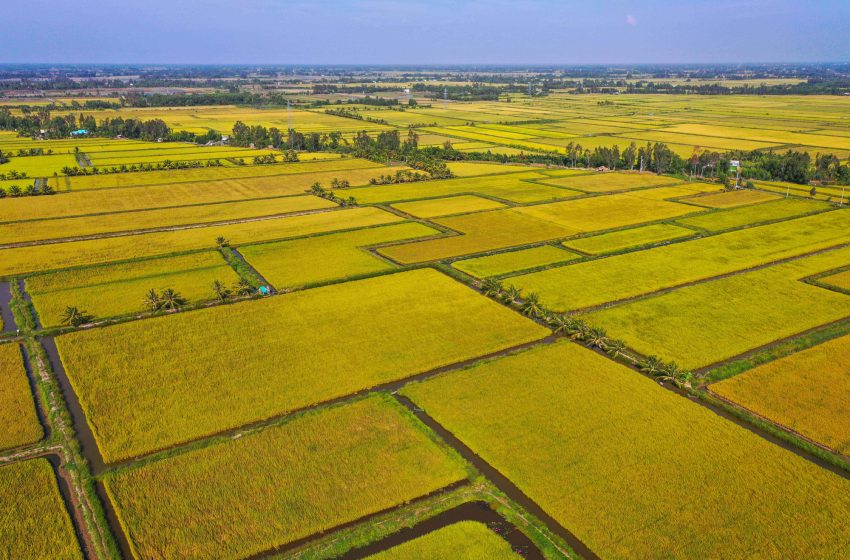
(172, 300)
(152, 300)
(581, 330)
(512, 294)
(491, 288)
(616, 347)
(675, 375)
(75, 317)
(531, 305)
(596, 336)
(652, 365)
(243, 287)
(220, 290)
(220, 241)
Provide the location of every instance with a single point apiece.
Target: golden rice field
(277, 426)
(512, 261)
(280, 349)
(118, 289)
(437, 207)
(40, 258)
(596, 282)
(805, 392)
(85, 202)
(732, 198)
(18, 416)
(158, 219)
(463, 540)
(479, 232)
(306, 476)
(624, 239)
(705, 323)
(635, 454)
(753, 214)
(33, 520)
(322, 258)
(612, 182)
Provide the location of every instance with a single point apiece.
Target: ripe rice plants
(34, 522)
(309, 475)
(17, 409)
(231, 365)
(626, 238)
(111, 290)
(436, 207)
(503, 263)
(806, 391)
(609, 453)
(732, 198)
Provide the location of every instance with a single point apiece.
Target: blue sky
(424, 32)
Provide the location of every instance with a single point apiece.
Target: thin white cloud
(631, 20)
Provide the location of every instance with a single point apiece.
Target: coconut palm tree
(243, 288)
(221, 291)
(651, 365)
(615, 347)
(491, 288)
(531, 306)
(674, 374)
(74, 317)
(172, 300)
(220, 241)
(511, 295)
(152, 300)
(596, 336)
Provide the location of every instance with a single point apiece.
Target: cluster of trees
(159, 166)
(318, 190)
(402, 176)
(577, 329)
(241, 288)
(4, 157)
(168, 300)
(259, 136)
(12, 175)
(30, 190)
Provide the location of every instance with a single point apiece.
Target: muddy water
(470, 511)
(9, 324)
(81, 426)
(28, 299)
(39, 411)
(500, 480)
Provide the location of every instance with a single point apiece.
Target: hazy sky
(424, 31)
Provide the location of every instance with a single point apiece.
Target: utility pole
(445, 98)
(289, 122)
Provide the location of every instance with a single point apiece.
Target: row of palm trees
(241, 288)
(577, 329)
(168, 300)
(318, 190)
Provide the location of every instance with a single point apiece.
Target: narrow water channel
(9, 324)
